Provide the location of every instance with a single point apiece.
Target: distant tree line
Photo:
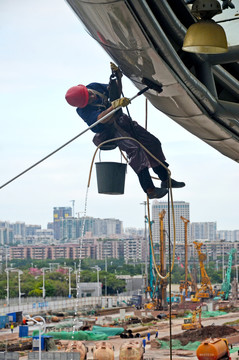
(57, 283)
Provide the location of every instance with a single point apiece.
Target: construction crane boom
(185, 284)
(206, 290)
(226, 286)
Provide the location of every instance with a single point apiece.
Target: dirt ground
(152, 351)
(203, 333)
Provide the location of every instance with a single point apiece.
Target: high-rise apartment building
(134, 250)
(203, 231)
(228, 235)
(107, 249)
(31, 230)
(6, 236)
(19, 228)
(6, 233)
(181, 208)
(70, 228)
(11, 233)
(60, 213)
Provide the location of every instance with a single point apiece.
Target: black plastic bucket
(110, 177)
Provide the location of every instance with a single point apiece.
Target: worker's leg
(145, 180)
(163, 175)
(138, 160)
(161, 171)
(152, 144)
(149, 141)
(148, 186)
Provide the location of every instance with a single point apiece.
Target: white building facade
(181, 208)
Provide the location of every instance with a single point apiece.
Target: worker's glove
(122, 102)
(116, 70)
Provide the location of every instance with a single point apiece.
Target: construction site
(188, 320)
(124, 333)
(192, 82)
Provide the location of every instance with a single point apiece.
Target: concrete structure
(10, 355)
(51, 356)
(133, 284)
(91, 289)
(42, 306)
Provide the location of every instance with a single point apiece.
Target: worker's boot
(156, 193)
(162, 173)
(174, 184)
(145, 179)
(148, 186)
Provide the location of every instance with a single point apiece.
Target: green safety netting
(207, 314)
(75, 335)
(176, 344)
(110, 331)
(66, 324)
(233, 350)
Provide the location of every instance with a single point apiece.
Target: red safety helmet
(77, 96)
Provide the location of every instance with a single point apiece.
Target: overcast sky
(46, 50)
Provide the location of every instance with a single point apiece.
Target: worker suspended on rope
(95, 101)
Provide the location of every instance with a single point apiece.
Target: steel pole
(222, 262)
(98, 280)
(7, 287)
(146, 245)
(19, 287)
(69, 282)
(40, 342)
(43, 284)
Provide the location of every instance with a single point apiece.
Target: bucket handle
(121, 156)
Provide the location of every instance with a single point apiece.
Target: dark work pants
(145, 178)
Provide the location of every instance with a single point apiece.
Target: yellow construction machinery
(163, 282)
(157, 291)
(206, 290)
(152, 305)
(193, 322)
(184, 284)
(193, 282)
(190, 284)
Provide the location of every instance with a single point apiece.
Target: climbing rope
(82, 235)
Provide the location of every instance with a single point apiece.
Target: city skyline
(157, 206)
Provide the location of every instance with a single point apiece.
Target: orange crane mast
(163, 282)
(185, 284)
(206, 290)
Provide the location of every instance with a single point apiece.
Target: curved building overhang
(200, 92)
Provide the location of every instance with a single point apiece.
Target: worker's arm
(117, 103)
(118, 74)
(105, 112)
(119, 82)
(122, 102)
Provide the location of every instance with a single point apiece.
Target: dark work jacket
(124, 127)
(90, 113)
